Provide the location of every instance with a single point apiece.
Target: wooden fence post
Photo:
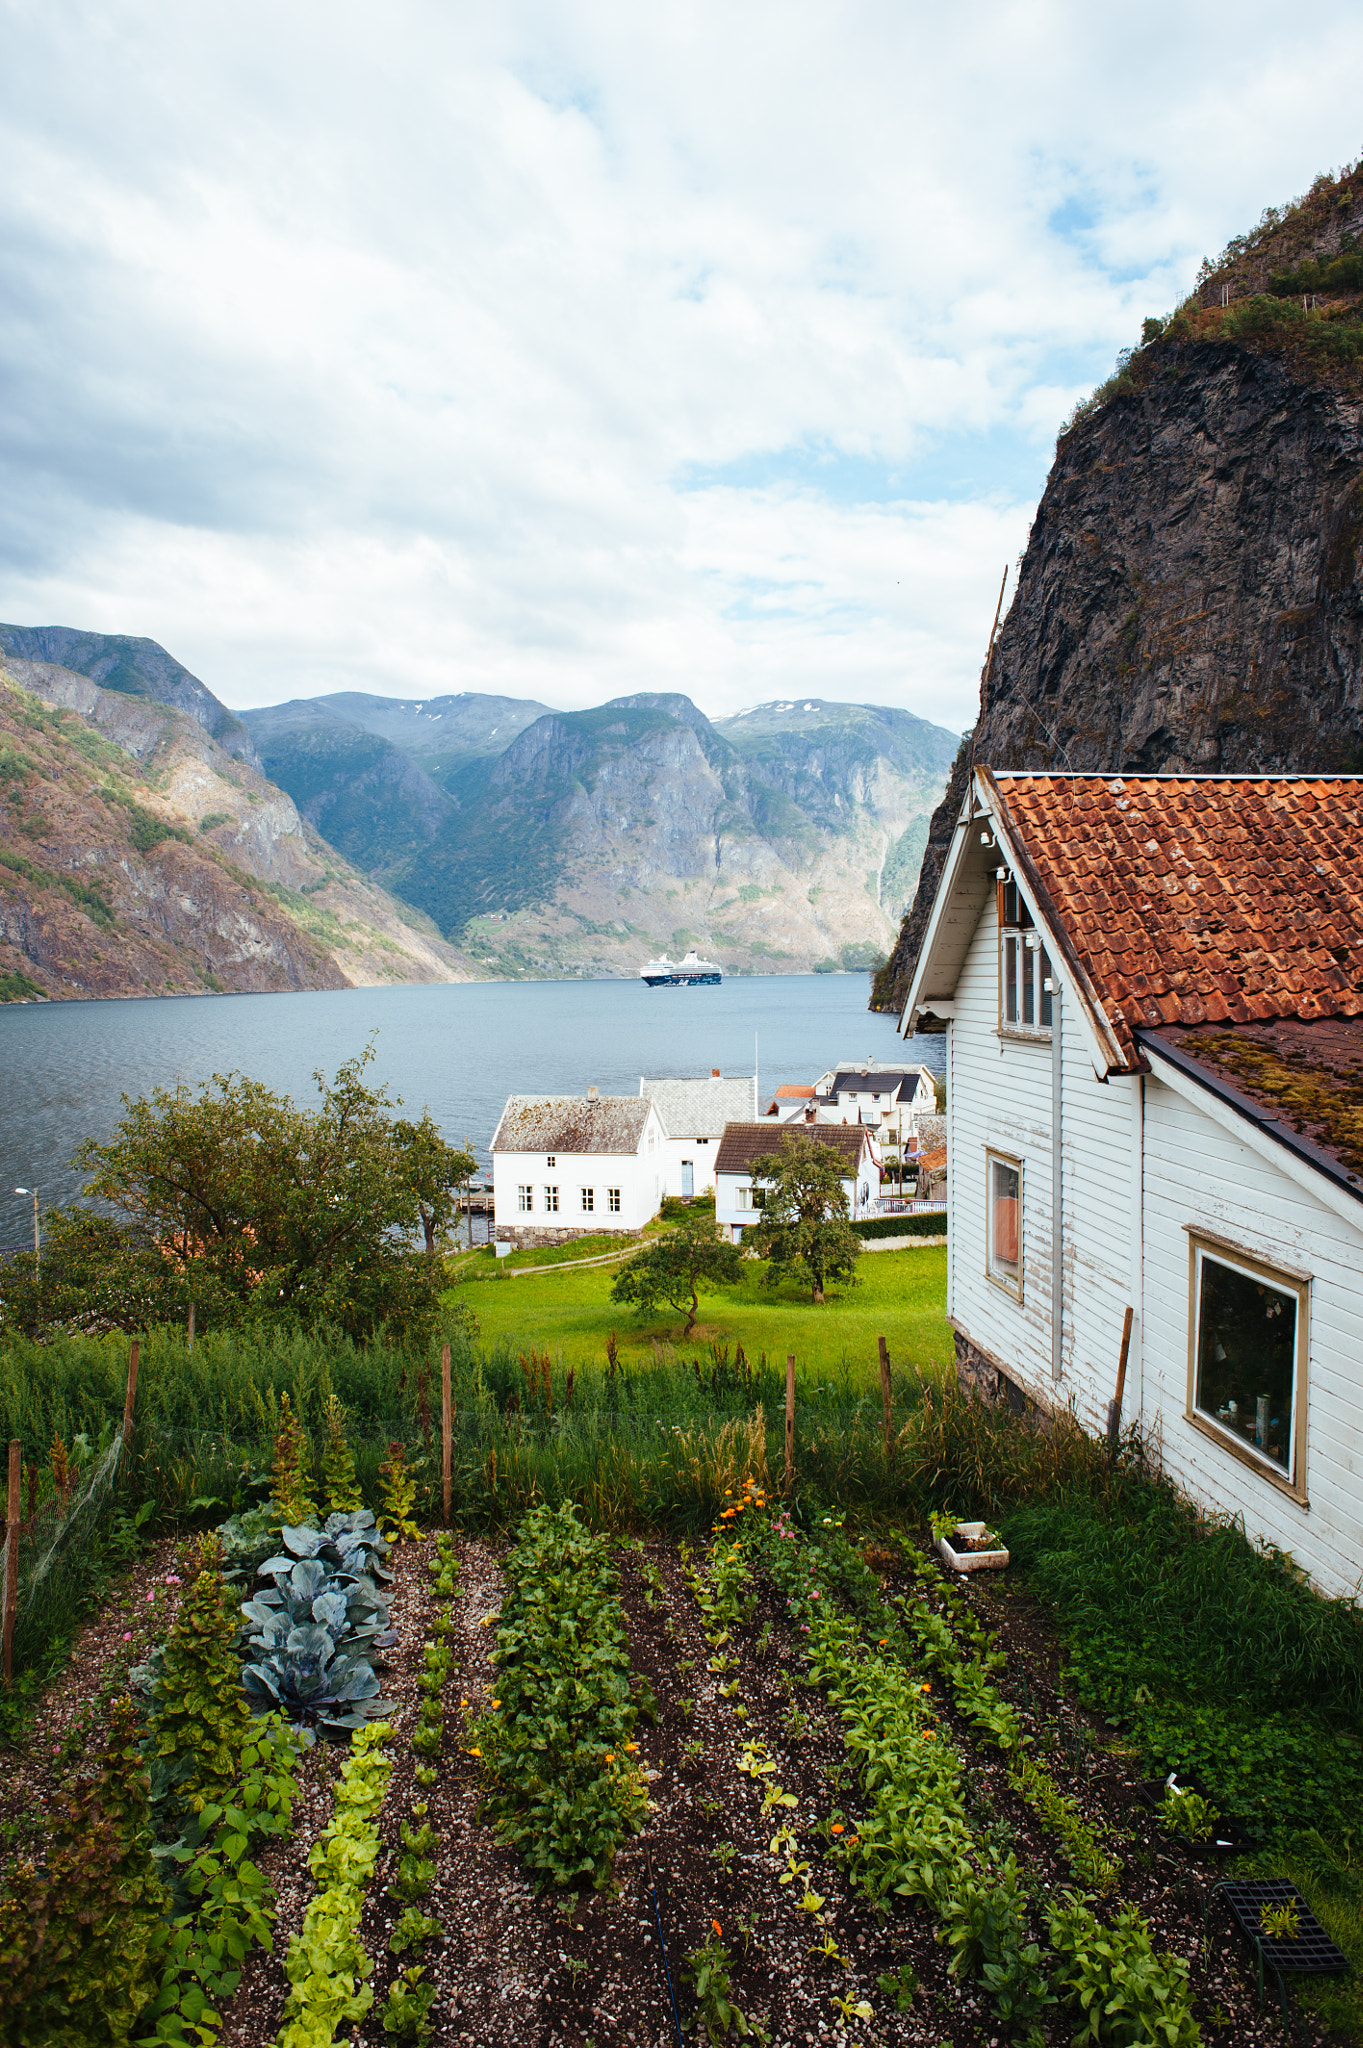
(790, 1420)
(1114, 1407)
(12, 1552)
(134, 1353)
(885, 1400)
(189, 1331)
(445, 1420)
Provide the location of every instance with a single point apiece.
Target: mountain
(1191, 597)
(133, 668)
(138, 856)
(577, 842)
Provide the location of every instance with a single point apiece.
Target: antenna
(756, 1098)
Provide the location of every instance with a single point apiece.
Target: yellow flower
(631, 1745)
(474, 1752)
(496, 1703)
(610, 1756)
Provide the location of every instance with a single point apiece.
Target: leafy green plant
(723, 1854)
(901, 1985)
(1281, 1923)
(708, 1970)
(326, 1966)
(1125, 1995)
(311, 1630)
(413, 1930)
(398, 1494)
(199, 1719)
(406, 2011)
(289, 1484)
(1186, 1813)
(339, 1484)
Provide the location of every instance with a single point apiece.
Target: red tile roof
(1193, 900)
(789, 1090)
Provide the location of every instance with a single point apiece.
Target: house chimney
(715, 1074)
(593, 1093)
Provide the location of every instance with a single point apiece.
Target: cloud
(566, 350)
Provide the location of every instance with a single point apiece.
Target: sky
(569, 350)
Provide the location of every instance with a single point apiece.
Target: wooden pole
(1114, 1406)
(134, 1353)
(885, 1399)
(189, 1331)
(790, 1420)
(12, 1553)
(445, 1420)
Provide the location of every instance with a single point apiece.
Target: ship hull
(679, 980)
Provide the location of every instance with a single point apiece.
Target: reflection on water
(460, 1049)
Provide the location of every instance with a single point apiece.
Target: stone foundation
(532, 1236)
(979, 1374)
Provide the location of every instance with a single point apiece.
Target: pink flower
(152, 1594)
(127, 1635)
(172, 1578)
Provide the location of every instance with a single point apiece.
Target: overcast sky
(570, 349)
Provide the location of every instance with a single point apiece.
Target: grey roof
(699, 1109)
(742, 1143)
(571, 1123)
(885, 1081)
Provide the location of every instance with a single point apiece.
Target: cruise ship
(692, 972)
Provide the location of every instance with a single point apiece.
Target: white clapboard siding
(1199, 1175)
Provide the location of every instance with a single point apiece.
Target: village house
(694, 1115)
(1152, 993)
(567, 1166)
(738, 1200)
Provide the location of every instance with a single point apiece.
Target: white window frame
(589, 1200)
(1024, 969)
(551, 1159)
(1201, 1247)
(525, 1198)
(551, 1201)
(613, 1201)
(1009, 1284)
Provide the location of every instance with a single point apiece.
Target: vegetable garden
(321, 1773)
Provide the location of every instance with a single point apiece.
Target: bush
(918, 1225)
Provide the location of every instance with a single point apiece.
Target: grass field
(898, 1295)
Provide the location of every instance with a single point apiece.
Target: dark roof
(1300, 1082)
(1191, 899)
(884, 1081)
(742, 1143)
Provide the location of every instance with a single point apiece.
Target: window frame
(1016, 925)
(588, 1201)
(1202, 1244)
(992, 1156)
(525, 1198)
(551, 1200)
(612, 1201)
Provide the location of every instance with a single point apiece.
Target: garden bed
(513, 1966)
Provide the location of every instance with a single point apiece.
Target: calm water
(461, 1050)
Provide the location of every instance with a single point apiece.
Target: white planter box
(971, 1560)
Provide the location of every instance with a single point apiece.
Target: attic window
(1025, 1005)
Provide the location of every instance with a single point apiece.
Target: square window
(1005, 1222)
(1246, 1364)
(550, 1159)
(613, 1200)
(589, 1199)
(550, 1201)
(525, 1199)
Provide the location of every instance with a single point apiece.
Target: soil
(560, 1971)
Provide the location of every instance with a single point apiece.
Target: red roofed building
(1152, 991)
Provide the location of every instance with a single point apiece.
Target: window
(1005, 1222)
(613, 1200)
(1024, 966)
(1247, 1354)
(525, 1199)
(550, 1201)
(550, 1159)
(589, 1199)
(750, 1198)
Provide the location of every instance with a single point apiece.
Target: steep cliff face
(1191, 597)
(133, 667)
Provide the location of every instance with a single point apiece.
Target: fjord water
(461, 1049)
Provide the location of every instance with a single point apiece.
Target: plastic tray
(1229, 1840)
(1311, 1953)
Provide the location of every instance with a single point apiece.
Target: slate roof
(699, 1109)
(1191, 900)
(1300, 1082)
(572, 1124)
(742, 1143)
(885, 1081)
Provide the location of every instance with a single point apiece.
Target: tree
(674, 1268)
(254, 1209)
(804, 1217)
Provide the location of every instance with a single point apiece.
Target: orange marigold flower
(837, 1827)
(631, 1745)
(610, 1756)
(718, 1929)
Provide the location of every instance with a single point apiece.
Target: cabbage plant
(311, 1632)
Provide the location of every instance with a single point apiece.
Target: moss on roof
(1319, 1090)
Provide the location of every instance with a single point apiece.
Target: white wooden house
(694, 1115)
(1152, 990)
(738, 1197)
(568, 1166)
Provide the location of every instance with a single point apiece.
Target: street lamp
(37, 1255)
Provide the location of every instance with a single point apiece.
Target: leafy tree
(254, 1209)
(804, 1222)
(674, 1268)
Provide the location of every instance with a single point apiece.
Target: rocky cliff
(138, 856)
(1191, 596)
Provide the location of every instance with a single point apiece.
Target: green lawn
(898, 1295)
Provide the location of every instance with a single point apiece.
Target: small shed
(567, 1166)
